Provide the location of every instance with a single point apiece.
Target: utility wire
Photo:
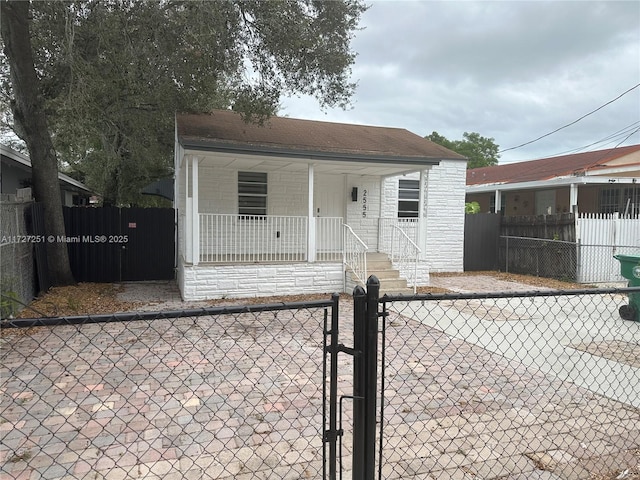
(572, 123)
(633, 127)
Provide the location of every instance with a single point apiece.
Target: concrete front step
(378, 264)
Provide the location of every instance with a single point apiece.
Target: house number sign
(364, 203)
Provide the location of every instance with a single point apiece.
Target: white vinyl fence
(600, 237)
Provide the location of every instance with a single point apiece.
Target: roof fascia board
(613, 170)
(15, 156)
(557, 182)
(310, 155)
(406, 172)
(71, 181)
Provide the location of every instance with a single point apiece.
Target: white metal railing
(355, 254)
(329, 241)
(262, 239)
(405, 254)
(386, 231)
(252, 238)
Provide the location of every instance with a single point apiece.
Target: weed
(20, 457)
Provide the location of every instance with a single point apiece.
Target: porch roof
(225, 131)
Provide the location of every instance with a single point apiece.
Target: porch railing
(264, 239)
(386, 229)
(252, 238)
(329, 241)
(405, 254)
(355, 254)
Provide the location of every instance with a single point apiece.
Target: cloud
(509, 70)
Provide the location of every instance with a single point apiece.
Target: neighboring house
(603, 181)
(15, 177)
(288, 207)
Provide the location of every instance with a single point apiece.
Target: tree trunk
(31, 120)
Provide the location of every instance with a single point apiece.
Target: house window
(252, 193)
(408, 198)
(609, 200)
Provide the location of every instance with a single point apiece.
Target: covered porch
(345, 217)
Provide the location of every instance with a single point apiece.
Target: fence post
(506, 254)
(365, 376)
(359, 377)
(371, 359)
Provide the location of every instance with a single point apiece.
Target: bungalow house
(298, 206)
(15, 180)
(602, 181)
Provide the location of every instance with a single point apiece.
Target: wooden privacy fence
(587, 244)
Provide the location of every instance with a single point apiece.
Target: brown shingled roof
(224, 127)
(546, 168)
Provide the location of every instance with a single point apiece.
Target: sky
(510, 70)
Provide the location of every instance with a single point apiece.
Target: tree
(111, 74)
(481, 151)
(31, 123)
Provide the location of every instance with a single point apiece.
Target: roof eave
(212, 146)
(554, 182)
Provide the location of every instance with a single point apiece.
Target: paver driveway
(240, 396)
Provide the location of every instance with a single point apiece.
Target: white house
(298, 206)
(15, 180)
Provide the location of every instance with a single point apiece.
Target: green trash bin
(630, 269)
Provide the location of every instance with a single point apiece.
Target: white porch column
(498, 202)
(311, 231)
(195, 218)
(573, 198)
(188, 214)
(421, 239)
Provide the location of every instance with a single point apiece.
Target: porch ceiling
(352, 166)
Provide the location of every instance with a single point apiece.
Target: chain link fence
(231, 392)
(509, 386)
(16, 257)
(540, 257)
(541, 385)
(566, 261)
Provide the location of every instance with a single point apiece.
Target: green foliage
(472, 207)
(113, 74)
(481, 151)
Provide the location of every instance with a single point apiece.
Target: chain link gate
(509, 385)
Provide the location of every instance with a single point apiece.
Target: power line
(633, 127)
(572, 123)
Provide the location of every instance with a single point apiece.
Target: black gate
(481, 241)
(111, 244)
(365, 373)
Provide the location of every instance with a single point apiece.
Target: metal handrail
(403, 257)
(355, 258)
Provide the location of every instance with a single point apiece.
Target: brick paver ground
(241, 397)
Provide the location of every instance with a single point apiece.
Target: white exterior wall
(444, 212)
(287, 192)
(204, 282)
(362, 215)
(443, 247)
